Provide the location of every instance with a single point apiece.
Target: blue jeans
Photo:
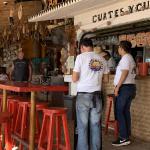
(89, 114)
(122, 112)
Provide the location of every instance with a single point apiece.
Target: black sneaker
(121, 142)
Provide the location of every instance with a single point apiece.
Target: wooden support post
(4, 108)
(32, 122)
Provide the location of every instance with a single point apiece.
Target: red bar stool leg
(65, 125)
(43, 135)
(5, 120)
(112, 122)
(58, 132)
(108, 115)
(37, 123)
(8, 140)
(51, 133)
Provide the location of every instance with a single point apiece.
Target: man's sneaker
(121, 142)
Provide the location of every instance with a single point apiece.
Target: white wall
(86, 23)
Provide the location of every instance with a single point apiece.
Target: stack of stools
(54, 119)
(12, 107)
(111, 122)
(22, 120)
(5, 120)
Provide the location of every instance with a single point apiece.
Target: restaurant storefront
(108, 23)
(125, 20)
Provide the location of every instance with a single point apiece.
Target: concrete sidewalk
(136, 144)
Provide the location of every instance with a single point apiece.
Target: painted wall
(122, 12)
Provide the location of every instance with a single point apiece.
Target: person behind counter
(125, 91)
(88, 72)
(21, 69)
(3, 75)
(110, 61)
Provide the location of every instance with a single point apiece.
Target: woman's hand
(116, 91)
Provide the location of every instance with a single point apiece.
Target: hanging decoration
(45, 3)
(52, 2)
(4, 33)
(23, 29)
(18, 35)
(36, 26)
(11, 17)
(20, 12)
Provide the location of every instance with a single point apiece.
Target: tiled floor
(107, 139)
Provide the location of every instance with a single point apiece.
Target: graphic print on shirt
(95, 65)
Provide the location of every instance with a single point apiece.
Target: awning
(69, 9)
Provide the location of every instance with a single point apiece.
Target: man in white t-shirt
(124, 91)
(89, 70)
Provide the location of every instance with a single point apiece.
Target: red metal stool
(5, 119)
(21, 126)
(111, 122)
(53, 118)
(22, 120)
(40, 106)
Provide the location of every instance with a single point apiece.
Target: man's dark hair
(86, 42)
(126, 45)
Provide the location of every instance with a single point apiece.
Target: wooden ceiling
(30, 7)
(4, 11)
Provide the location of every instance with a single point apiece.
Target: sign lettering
(121, 11)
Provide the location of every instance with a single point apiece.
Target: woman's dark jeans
(127, 92)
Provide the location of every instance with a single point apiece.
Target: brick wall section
(140, 109)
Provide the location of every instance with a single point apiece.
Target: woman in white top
(125, 90)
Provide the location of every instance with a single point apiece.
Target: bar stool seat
(109, 121)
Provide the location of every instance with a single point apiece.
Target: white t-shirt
(91, 68)
(3, 77)
(126, 63)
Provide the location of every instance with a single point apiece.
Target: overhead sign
(127, 10)
(122, 12)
